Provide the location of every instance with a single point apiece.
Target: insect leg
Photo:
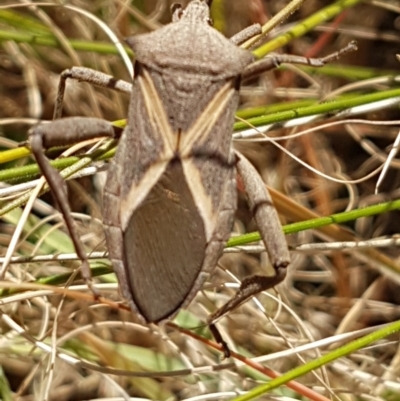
(273, 61)
(83, 74)
(267, 220)
(63, 132)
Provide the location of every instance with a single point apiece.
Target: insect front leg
(65, 132)
(83, 74)
(270, 228)
(273, 61)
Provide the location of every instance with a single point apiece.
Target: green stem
(302, 28)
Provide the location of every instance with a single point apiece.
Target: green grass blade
(323, 15)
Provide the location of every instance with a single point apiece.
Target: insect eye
(177, 11)
(210, 22)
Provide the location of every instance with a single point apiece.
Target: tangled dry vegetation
(68, 346)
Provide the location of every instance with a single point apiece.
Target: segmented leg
(271, 62)
(83, 74)
(64, 132)
(270, 228)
